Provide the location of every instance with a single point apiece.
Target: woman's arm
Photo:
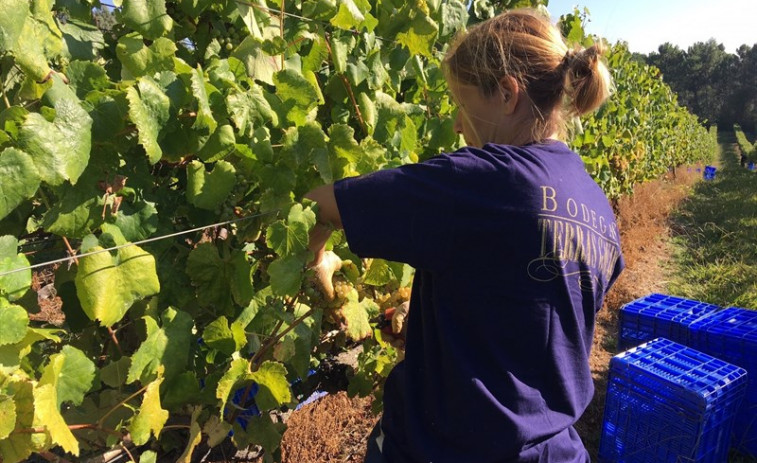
(328, 219)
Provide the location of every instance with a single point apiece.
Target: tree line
(719, 87)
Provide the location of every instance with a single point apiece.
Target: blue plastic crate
(669, 403)
(709, 172)
(659, 315)
(731, 335)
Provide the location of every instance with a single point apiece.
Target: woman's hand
(324, 269)
(396, 330)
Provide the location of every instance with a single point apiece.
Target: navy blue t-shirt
(514, 249)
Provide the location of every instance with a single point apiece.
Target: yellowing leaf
(195, 436)
(18, 446)
(107, 286)
(274, 388)
(47, 415)
(151, 416)
(216, 430)
(7, 415)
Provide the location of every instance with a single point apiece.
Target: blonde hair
(524, 44)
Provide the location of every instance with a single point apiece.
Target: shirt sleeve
(401, 214)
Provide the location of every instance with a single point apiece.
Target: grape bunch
(386, 298)
(227, 35)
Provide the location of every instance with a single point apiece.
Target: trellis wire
(136, 243)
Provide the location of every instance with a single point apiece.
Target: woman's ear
(508, 90)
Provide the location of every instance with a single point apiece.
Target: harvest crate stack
(670, 403)
(660, 315)
(731, 335)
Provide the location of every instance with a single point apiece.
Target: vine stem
(72, 427)
(347, 86)
(131, 457)
(281, 30)
(5, 97)
(119, 405)
(275, 337)
(71, 251)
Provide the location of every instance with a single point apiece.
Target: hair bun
(587, 79)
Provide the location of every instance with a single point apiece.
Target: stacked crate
(669, 403)
(660, 315)
(731, 335)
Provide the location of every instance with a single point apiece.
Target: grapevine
(194, 128)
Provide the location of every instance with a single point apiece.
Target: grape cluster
(391, 298)
(227, 35)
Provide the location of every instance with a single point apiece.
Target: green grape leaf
(193, 8)
(168, 346)
(352, 14)
(151, 417)
(274, 388)
(139, 60)
(182, 390)
(14, 285)
(84, 41)
(340, 50)
(239, 370)
(60, 149)
(148, 457)
(47, 415)
(394, 127)
(344, 150)
(291, 236)
(15, 321)
(250, 109)
(108, 285)
(218, 335)
(297, 94)
(286, 274)
(204, 119)
(148, 17)
(109, 112)
(20, 179)
(259, 65)
(149, 110)
(77, 212)
(137, 221)
(7, 416)
(71, 373)
(13, 14)
(114, 374)
(310, 147)
(454, 18)
(261, 430)
(220, 281)
(348, 16)
(219, 144)
(85, 77)
(379, 273)
(419, 35)
(207, 190)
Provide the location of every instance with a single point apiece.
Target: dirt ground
(335, 428)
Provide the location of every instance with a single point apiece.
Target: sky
(647, 24)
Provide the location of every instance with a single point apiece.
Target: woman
(514, 247)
